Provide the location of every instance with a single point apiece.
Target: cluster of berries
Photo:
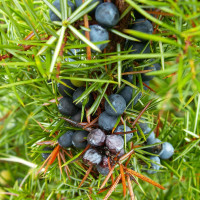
(66, 105)
(163, 150)
(106, 14)
(104, 143)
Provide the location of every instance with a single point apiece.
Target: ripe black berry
(107, 15)
(127, 94)
(78, 93)
(139, 47)
(128, 77)
(98, 34)
(64, 90)
(121, 153)
(92, 156)
(153, 67)
(66, 106)
(77, 117)
(154, 166)
(142, 25)
(96, 137)
(167, 151)
(106, 121)
(118, 102)
(103, 168)
(46, 155)
(155, 149)
(114, 143)
(56, 3)
(65, 140)
(79, 139)
(122, 129)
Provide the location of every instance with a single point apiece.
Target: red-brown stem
(130, 187)
(144, 109)
(87, 35)
(112, 187)
(86, 175)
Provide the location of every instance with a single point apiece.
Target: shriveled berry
(98, 34)
(167, 151)
(106, 121)
(107, 14)
(114, 143)
(64, 90)
(56, 3)
(104, 162)
(46, 155)
(79, 2)
(118, 102)
(66, 106)
(92, 156)
(96, 137)
(79, 91)
(155, 149)
(79, 139)
(142, 25)
(122, 129)
(65, 140)
(154, 166)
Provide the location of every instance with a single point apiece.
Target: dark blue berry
(98, 34)
(77, 117)
(114, 143)
(103, 170)
(122, 129)
(79, 139)
(92, 156)
(107, 15)
(56, 3)
(154, 166)
(46, 155)
(167, 151)
(79, 2)
(146, 130)
(102, 167)
(64, 90)
(106, 121)
(153, 67)
(127, 94)
(79, 91)
(142, 25)
(128, 77)
(96, 137)
(118, 102)
(66, 106)
(139, 47)
(121, 153)
(65, 140)
(72, 52)
(155, 149)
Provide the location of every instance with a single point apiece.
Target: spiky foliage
(33, 51)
